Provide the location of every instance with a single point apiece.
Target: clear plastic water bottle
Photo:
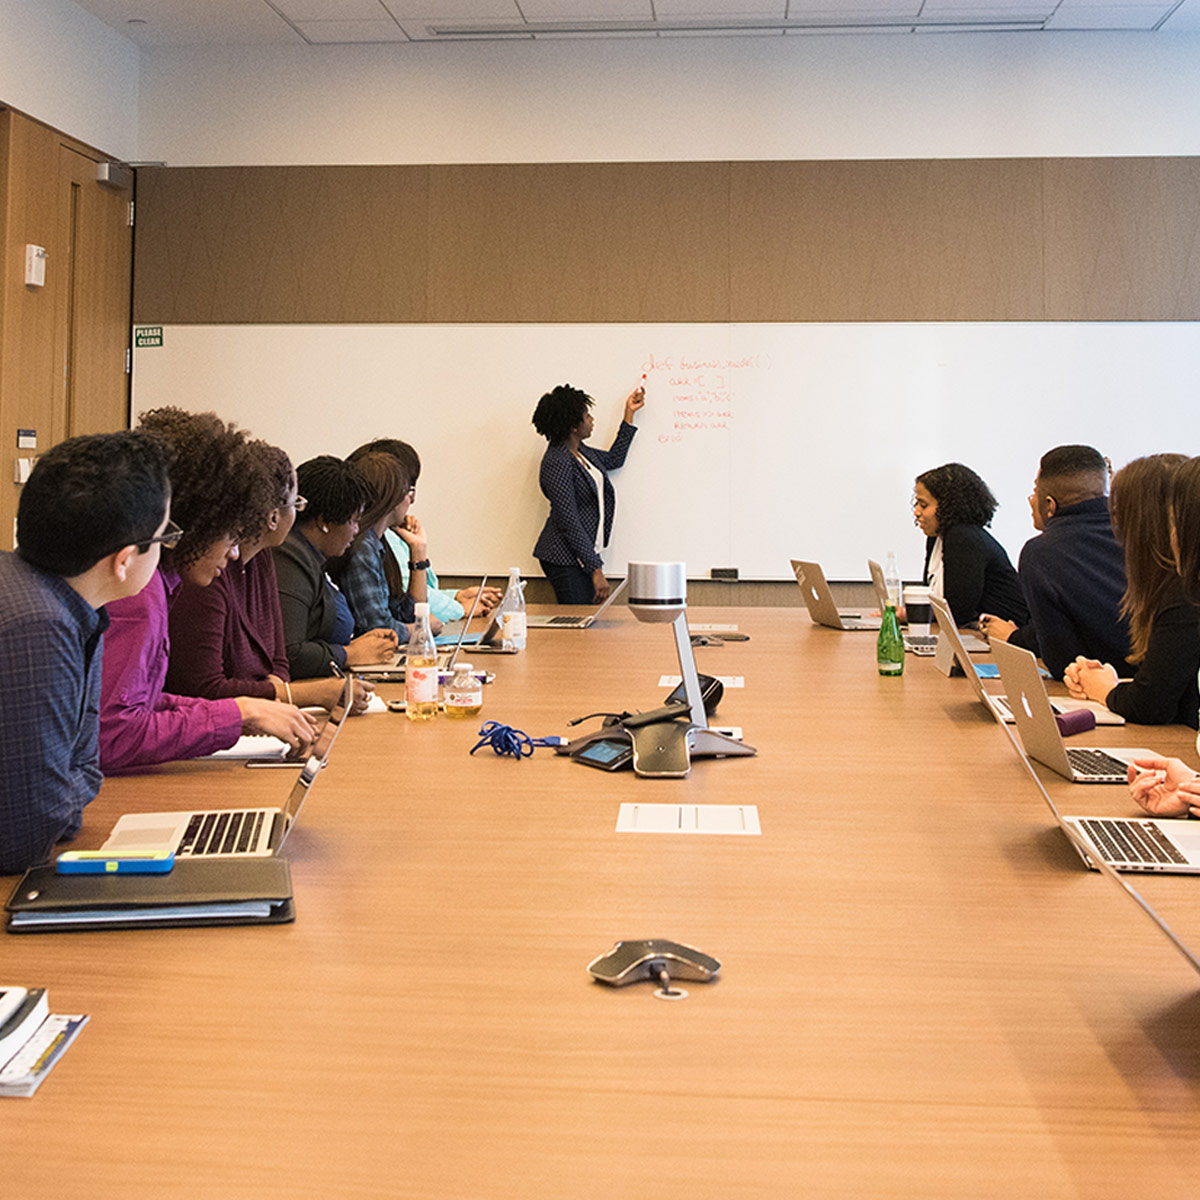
(421, 670)
(891, 580)
(512, 612)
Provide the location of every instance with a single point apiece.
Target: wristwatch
(423, 565)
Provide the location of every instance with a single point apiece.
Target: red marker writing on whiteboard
(637, 398)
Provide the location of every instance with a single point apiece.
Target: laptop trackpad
(1185, 837)
(166, 834)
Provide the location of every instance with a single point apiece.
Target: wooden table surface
(923, 993)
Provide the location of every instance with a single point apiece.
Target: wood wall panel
(1123, 239)
(264, 245)
(589, 242)
(936, 240)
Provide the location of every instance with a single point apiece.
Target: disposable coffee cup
(919, 610)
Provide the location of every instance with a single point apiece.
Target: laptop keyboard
(1131, 841)
(565, 621)
(221, 833)
(1095, 763)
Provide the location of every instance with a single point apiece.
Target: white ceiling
(323, 22)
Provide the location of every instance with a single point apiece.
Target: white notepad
(737, 820)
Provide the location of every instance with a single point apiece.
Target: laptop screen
(317, 757)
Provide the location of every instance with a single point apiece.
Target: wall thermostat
(35, 265)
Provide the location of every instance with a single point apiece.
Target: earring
(324, 528)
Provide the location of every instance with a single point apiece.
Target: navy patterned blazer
(569, 536)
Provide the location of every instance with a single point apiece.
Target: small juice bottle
(464, 693)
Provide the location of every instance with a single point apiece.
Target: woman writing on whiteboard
(963, 562)
(574, 478)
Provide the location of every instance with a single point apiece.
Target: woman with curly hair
(217, 497)
(963, 562)
(1164, 625)
(227, 638)
(574, 478)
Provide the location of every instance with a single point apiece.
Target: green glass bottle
(889, 649)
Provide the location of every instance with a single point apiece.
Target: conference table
(923, 992)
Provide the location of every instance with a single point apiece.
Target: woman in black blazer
(574, 478)
(318, 628)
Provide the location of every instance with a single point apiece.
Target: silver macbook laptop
(923, 645)
(1039, 733)
(231, 833)
(821, 607)
(446, 661)
(917, 643)
(566, 622)
(952, 654)
(393, 671)
(1125, 844)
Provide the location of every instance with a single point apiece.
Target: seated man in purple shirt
(89, 525)
(217, 497)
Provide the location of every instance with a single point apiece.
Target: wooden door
(91, 391)
(62, 345)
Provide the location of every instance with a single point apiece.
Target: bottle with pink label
(421, 670)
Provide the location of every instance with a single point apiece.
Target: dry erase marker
(105, 862)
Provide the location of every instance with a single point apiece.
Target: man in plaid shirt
(91, 519)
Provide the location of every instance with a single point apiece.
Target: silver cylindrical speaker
(657, 591)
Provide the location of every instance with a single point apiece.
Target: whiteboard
(758, 442)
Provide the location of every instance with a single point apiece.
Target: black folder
(246, 891)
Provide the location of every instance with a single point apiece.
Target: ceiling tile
(331, 10)
(1185, 19)
(321, 33)
(1095, 16)
(592, 10)
(453, 10)
(774, 9)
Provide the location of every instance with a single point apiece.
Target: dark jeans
(572, 585)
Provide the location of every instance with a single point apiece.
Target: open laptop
(231, 833)
(565, 622)
(821, 607)
(1040, 734)
(919, 644)
(923, 645)
(1130, 844)
(951, 654)
(447, 661)
(393, 671)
